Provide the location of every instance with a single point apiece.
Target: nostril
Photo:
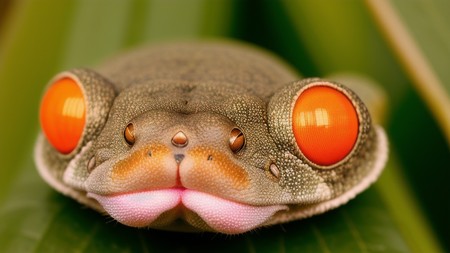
(179, 139)
(179, 158)
(91, 164)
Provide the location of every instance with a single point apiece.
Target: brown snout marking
(217, 167)
(148, 161)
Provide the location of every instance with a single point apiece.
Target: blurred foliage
(407, 209)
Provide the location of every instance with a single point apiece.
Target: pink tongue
(227, 216)
(141, 209)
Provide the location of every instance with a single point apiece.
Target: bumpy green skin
(206, 89)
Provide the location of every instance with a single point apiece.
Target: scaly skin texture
(204, 90)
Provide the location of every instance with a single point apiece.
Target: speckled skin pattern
(205, 89)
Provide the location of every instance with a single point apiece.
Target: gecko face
(198, 163)
(205, 156)
(176, 166)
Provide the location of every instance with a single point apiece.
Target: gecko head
(176, 154)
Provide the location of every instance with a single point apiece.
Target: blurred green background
(404, 46)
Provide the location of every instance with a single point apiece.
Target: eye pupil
(237, 140)
(129, 134)
(63, 114)
(325, 125)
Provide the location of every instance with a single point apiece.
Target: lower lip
(142, 208)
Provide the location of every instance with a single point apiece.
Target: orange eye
(325, 125)
(63, 114)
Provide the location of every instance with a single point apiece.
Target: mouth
(140, 209)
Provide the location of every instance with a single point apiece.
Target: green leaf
(418, 34)
(421, 47)
(43, 37)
